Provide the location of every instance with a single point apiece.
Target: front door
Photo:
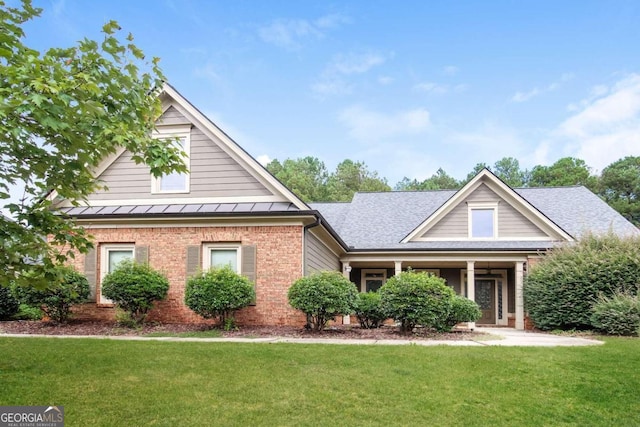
(486, 299)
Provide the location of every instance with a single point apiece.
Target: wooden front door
(486, 299)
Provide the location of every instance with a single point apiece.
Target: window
(111, 256)
(174, 182)
(372, 280)
(221, 255)
(483, 221)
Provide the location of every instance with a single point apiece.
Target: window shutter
(248, 267)
(193, 260)
(142, 254)
(90, 261)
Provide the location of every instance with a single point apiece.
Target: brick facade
(278, 264)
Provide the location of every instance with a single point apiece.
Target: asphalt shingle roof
(382, 220)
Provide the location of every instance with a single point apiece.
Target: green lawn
(126, 383)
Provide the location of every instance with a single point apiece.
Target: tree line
(618, 183)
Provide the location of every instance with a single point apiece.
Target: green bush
(27, 312)
(57, 299)
(323, 296)
(562, 288)
(617, 315)
(218, 293)
(416, 299)
(368, 310)
(134, 288)
(462, 310)
(9, 305)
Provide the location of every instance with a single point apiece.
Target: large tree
(438, 181)
(620, 187)
(351, 177)
(565, 171)
(306, 177)
(508, 170)
(61, 112)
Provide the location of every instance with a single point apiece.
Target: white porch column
(346, 272)
(519, 295)
(471, 287)
(398, 267)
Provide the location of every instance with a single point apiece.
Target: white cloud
(431, 87)
(385, 80)
(523, 96)
(289, 33)
(263, 159)
(333, 79)
(368, 125)
(606, 127)
(450, 70)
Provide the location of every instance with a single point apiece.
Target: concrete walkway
(496, 337)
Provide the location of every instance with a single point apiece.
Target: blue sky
(406, 87)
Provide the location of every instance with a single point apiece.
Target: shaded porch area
(494, 282)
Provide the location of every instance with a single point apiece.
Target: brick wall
(278, 264)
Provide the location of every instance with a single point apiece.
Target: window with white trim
(221, 255)
(372, 279)
(110, 256)
(483, 221)
(174, 182)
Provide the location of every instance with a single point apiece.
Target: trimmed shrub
(134, 288)
(462, 310)
(368, 310)
(323, 296)
(9, 305)
(27, 312)
(57, 299)
(617, 315)
(561, 290)
(218, 293)
(416, 299)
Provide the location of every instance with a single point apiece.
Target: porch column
(346, 272)
(471, 287)
(519, 295)
(398, 267)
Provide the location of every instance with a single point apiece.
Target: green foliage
(508, 170)
(322, 296)
(27, 312)
(561, 290)
(218, 293)
(618, 314)
(306, 177)
(620, 187)
(351, 177)
(9, 305)
(368, 310)
(438, 181)
(462, 310)
(416, 299)
(134, 288)
(59, 296)
(61, 112)
(565, 171)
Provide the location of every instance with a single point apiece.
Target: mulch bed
(84, 327)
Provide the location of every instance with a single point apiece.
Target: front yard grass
(124, 383)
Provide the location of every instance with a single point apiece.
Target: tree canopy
(620, 186)
(61, 112)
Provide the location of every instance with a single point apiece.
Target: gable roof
(176, 107)
(381, 221)
(516, 201)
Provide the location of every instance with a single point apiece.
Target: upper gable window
(174, 182)
(483, 221)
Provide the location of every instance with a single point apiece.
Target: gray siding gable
(318, 257)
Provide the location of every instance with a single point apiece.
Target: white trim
(183, 133)
(516, 201)
(187, 222)
(231, 146)
(363, 274)
(468, 239)
(104, 264)
(485, 206)
(208, 247)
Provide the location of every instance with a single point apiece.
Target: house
(230, 210)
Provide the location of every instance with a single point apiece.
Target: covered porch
(495, 282)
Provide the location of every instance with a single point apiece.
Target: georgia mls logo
(31, 416)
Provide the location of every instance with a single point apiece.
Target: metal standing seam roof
(181, 209)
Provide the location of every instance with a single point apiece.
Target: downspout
(316, 223)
